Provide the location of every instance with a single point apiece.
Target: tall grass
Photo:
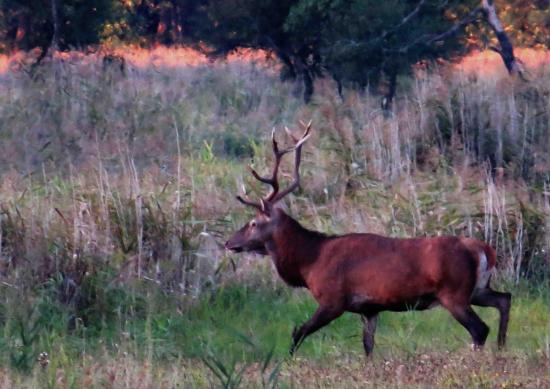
(137, 168)
(117, 190)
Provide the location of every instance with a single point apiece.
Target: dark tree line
(357, 42)
(26, 24)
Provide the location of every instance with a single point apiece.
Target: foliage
(27, 24)
(360, 40)
(356, 42)
(526, 22)
(228, 25)
(153, 21)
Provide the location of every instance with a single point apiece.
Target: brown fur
(367, 273)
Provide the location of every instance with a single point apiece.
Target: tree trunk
(308, 85)
(289, 66)
(392, 85)
(55, 21)
(307, 78)
(506, 49)
(339, 87)
(49, 49)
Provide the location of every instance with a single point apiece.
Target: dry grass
(463, 369)
(129, 179)
(95, 160)
(156, 57)
(489, 64)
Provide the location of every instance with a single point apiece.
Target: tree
(358, 42)
(365, 41)
(530, 21)
(26, 23)
(226, 25)
(64, 23)
(526, 22)
(505, 49)
(154, 21)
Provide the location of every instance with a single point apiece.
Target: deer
(365, 273)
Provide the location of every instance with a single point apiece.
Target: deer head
(253, 236)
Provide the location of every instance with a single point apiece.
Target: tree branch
(506, 50)
(472, 16)
(405, 20)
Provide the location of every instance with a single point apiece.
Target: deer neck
(294, 249)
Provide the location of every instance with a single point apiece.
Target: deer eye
(253, 223)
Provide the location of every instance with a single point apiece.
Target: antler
(246, 201)
(275, 195)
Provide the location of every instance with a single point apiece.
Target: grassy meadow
(117, 193)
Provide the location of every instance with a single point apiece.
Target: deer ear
(266, 207)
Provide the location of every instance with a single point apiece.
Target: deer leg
(321, 317)
(500, 301)
(369, 328)
(466, 316)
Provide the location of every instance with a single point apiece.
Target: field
(117, 193)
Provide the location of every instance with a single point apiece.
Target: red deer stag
(368, 273)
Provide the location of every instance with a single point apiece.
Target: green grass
(240, 327)
(235, 317)
(266, 318)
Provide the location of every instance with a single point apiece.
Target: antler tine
(305, 136)
(246, 201)
(308, 125)
(265, 180)
(273, 181)
(274, 141)
(290, 134)
(249, 202)
(274, 196)
(278, 154)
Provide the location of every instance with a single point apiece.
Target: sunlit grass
(487, 63)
